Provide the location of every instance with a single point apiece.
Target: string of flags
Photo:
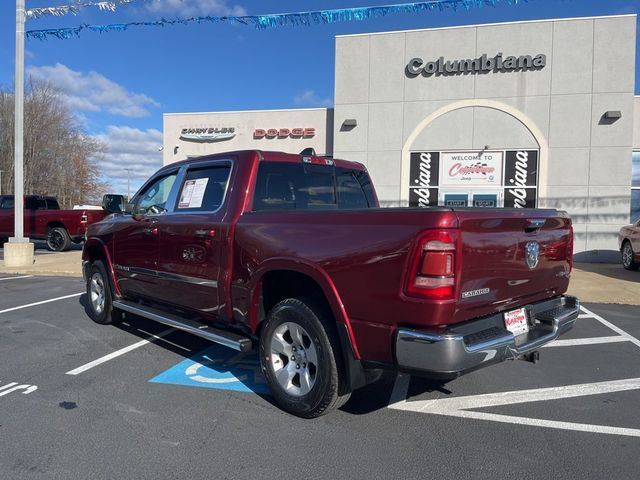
(74, 8)
(260, 22)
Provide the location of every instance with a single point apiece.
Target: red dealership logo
(284, 133)
(458, 168)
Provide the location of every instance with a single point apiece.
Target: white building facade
(524, 114)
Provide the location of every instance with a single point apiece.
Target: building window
(635, 186)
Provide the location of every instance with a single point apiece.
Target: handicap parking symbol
(218, 367)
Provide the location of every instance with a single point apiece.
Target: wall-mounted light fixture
(348, 124)
(609, 117)
(612, 114)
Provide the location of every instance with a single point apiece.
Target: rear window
(7, 203)
(298, 186)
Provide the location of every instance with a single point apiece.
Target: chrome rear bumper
(478, 343)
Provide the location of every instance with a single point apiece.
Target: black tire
(58, 239)
(327, 391)
(628, 256)
(3, 240)
(106, 315)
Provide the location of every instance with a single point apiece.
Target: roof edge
(451, 27)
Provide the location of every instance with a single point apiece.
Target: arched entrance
(468, 174)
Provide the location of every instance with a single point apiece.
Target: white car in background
(629, 243)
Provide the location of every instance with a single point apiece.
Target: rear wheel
(100, 296)
(300, 358)
(628, 256)
(58, 239)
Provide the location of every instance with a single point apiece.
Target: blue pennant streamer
(278, 20)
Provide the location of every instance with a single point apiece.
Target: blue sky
(119, 84)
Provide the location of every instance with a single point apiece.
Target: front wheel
(628, 257)
(100, 297)
(58, 239)
(300, 358)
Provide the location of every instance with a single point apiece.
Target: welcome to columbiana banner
(260, 22)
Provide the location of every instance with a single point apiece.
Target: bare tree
(59, 158)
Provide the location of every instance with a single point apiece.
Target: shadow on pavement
(208, 365)
(611, 270)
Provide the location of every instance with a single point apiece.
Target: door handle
(151, 229)
(207, 234)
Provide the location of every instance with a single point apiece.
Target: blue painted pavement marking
(218, 367)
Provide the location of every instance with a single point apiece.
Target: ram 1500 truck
(43, 220)
(292, 255)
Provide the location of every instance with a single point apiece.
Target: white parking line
(460, 406)
(16, 278)
(445, 405)
(618, 330)
(41, 303)
(164, 340)
(117, 353)
(586, 341)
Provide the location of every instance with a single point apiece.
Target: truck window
(203, 189)
(52, 204)
(367, 187)
(350, 192)
(7, 203)
(297, 186)
(31, 203)
(153, 198)
(41, 203)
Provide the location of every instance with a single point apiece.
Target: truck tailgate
(496, 274)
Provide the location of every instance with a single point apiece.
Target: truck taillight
(570, 249)
(432, 269)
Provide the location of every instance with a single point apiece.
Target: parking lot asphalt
(138, 401)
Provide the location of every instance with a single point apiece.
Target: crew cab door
(192, 239)
(136, 239)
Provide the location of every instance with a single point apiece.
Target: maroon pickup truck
(291, 254)
(43, 220)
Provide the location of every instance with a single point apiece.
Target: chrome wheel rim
(294, 359)
(96, 292)
(627, 255)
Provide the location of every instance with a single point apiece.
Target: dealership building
(523, 114)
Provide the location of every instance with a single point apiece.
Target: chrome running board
(222, 337)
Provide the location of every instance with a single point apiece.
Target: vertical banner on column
(423, 186)
(521, 178)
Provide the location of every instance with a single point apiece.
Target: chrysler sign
(482, 64)
(207, 134)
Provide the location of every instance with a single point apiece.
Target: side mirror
(113, 203)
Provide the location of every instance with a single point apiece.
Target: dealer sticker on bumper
(516, 321)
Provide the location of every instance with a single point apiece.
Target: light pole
(1, 181)
(19, 252)
(128, 184)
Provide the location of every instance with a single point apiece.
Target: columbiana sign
(483, 64)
